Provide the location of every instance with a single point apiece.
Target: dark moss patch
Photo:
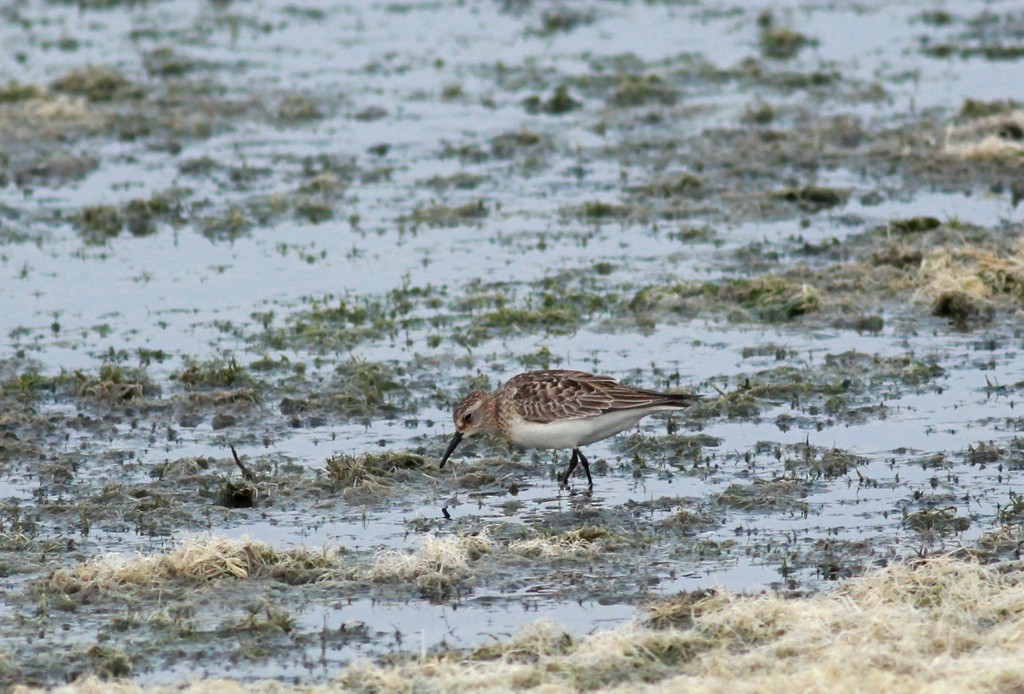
(596, 209)
(937, 18)
(15, 91)
(959, 306)
(642, 90)
(522, 142)
(914, 225)
(995, 52)
(556, 319)
(446, 216)
(228, 225)
(759, 113)
(163, 62)
(863, 324)
(560, 102)
(813, 198)
(97, 84)
(314, 211)
(973, 109)
(99, 223)
(458, 181)
(834, 390)
(777, 42)
(563, 20)
(297, 108)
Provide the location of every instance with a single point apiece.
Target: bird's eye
(468, 418)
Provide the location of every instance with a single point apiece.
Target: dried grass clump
(93, 684)
(440, 564)
(965, 282)
(992, 137)
(940, 625)
(196, 560)
(569, 544)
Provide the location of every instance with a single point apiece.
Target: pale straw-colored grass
(980, 138)
(980, 276)
(942, 625)
(582, 541)
(196, 560)
(438, 565)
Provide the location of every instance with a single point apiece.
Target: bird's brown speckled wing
(546, 396)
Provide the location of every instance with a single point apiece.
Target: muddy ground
(305, 231)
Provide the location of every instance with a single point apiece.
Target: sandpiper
(559, 409)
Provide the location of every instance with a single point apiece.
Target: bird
(557, 409)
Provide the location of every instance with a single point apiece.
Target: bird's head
(474, 415)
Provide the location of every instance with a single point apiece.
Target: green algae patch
(766, 495)
(977, 108)
(370, 473)
(598, 210)
(229, 224)
(914, 225)
(446, 216)
(15, 91)
(355, 389)
(838, 388)
(642, 90)
(115, 383)
(216, 373)
(111, 384)
(97, 84)
(559, 103)
(770, 299)
(98, 223)
(779, 42)
(937, 521)
(297, 108)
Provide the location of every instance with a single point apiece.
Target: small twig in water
(246, 472)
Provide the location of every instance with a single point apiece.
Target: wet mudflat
(306, 231)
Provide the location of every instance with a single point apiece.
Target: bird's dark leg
(586, 466)
(572, 466)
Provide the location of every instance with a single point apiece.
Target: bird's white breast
(572, 433)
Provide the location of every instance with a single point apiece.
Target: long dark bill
(451, 447)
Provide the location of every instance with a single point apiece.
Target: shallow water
(71, 305)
